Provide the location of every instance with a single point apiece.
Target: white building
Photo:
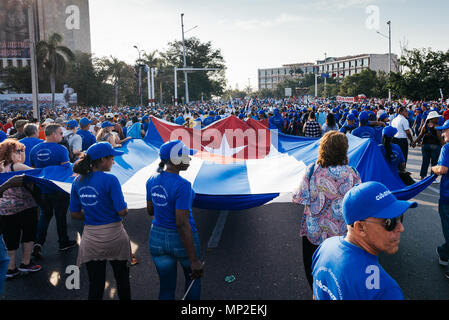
(336, 67)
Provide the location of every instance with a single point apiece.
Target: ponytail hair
(83, 166)
(161, 166)
(386, 141)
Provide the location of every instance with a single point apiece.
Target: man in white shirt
(401, 123)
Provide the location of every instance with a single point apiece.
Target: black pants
(308, 249)
(20, 228)
(403, 144)
(97, 277)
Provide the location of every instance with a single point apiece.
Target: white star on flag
(224, 149)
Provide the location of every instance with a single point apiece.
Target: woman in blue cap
(97, 199)
(173, 235)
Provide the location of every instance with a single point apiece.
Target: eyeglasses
(20, 151)
(389, 224)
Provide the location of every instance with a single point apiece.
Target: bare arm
(186, 235)
(78, 215)
(440, 170)
(150, 208)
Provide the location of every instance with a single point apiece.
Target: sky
(257, 34)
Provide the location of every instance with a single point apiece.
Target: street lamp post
(33, 62)
(185, 61)
(389, 54)
(140, 77)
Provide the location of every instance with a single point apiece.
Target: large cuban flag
(239, 165)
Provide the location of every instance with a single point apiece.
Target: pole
(185, 61)
(149, 85)
(153, 101)
(389, 57)
(316, 85)
(176, 87)
(34, 75)
(325, 74)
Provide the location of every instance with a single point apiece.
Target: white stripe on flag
(274, 174)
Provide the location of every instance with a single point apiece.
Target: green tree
(115, 70)
(198, 55)
(52, 60)
(424, 73)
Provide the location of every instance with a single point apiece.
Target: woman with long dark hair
(174, 236)
(394, 156)
(431, 143)
(97, 199)
(330, 123)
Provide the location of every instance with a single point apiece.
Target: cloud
(284, 18)
(342, 4)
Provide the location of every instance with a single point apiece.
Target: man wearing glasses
(347, 268)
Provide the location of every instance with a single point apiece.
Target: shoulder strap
(12, 167)
(311, 171)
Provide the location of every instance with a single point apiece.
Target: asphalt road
(260, 248)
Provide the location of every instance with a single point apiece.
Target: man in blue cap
(349, 125)
(347, 268)
(87, 137)
(364, 131)
(443, 205)
(276, 121)
(209, 120)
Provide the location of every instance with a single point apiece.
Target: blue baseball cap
(372, 199)
(174, 149)
(72, 124)
(383, 116)
(444, 126)
(107, 124)
(102, 149)
(364, 116)
(389, 131)
(350, 117)
(84, 122)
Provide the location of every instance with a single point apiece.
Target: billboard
(14, 33)
(25, 101)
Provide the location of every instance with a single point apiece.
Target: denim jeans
(4, 263)
(430, 154)
(443, 210)
(166, 249)
(53, 203)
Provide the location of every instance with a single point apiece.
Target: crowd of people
(333, 228)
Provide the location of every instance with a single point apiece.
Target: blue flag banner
(225, 174)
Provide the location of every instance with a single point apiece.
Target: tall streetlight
(184, 54)
(140, 77)
(389, 54)
(33, 61)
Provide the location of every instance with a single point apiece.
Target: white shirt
(400, 123)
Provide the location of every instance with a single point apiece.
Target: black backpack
(65, 143)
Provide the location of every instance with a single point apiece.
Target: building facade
(69, 18)
(340, 68)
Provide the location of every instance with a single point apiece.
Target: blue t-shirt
(3, 136)
(47, 154)
(88, 138)
(276, 122)
(364, 132)
(347, 128)
(444, 186)
(208, 121)
(29, 144)
(378, 134)
(397, 156)
(170, 192)
(343, 271)
(180, 120)
(100, 195)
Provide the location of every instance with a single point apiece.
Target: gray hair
(51, 128)
(30, 129)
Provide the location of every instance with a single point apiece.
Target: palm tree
(115, 69)
(52, 59)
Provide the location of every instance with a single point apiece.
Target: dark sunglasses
(389, 224)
